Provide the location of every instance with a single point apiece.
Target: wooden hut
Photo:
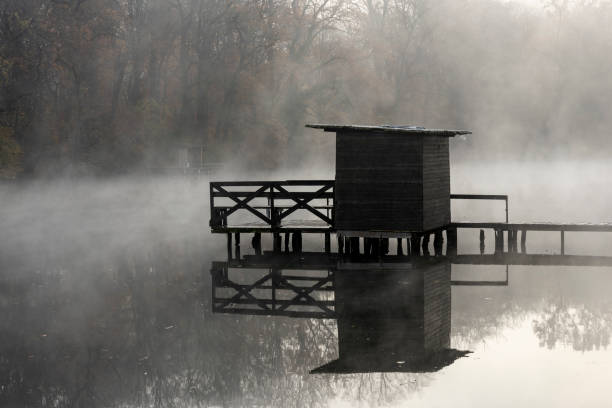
(391, 179)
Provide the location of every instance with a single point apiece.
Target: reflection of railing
(282, 200)
(482, 197)
(482, 282)
(274, 294)
(302, 285)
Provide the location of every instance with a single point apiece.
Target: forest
(107, 87)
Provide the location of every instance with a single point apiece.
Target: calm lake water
(105, 300)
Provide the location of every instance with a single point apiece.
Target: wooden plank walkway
(535, 226)
(303, 226)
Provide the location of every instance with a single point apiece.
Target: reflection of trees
(482, 313)
(581, 327)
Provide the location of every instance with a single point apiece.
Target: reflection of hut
(393, 319)
(391, 178)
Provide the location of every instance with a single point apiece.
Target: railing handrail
(500, 197)
(272, 182)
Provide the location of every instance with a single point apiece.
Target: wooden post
(438, 243)
(499, 241)
(373, 247)
(354, 245)
(506, 210)
(276, 242)
(451, 241)
(384, 245)
(276, 273)
(296, 242)
(229, 246)
(340, 244)
(237, 244)
(287, 237)
(256, 243)
(415, 245)
(562, 242)
(367, 246)
(482, 242)
(425, 244)
(327, 243)
(524, 241)
(510, 241)
(400, 249)
(273, 215)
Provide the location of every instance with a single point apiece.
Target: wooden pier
(392, 183)
(288, 209)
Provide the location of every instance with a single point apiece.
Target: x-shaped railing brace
(303, 203)
(243, 203)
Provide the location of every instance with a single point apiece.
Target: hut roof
(409, 130)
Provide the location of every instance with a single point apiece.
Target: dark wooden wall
(436, 183)
(391, 182)
(378, 182)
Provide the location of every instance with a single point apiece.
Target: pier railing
(497, 197)
(272, 202)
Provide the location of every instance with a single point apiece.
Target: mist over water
(105, 291)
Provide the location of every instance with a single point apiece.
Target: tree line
(106, 87)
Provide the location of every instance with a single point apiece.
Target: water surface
(105, 294)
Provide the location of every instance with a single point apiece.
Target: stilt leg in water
(287, 237)
(229, 246)
(451, 244)
(438, 243)
(256, 243)
(482, 242)
(276, 242)
(425, 244)
(237, 244)
(415, 245)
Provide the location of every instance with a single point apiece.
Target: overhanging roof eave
(408, 130)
